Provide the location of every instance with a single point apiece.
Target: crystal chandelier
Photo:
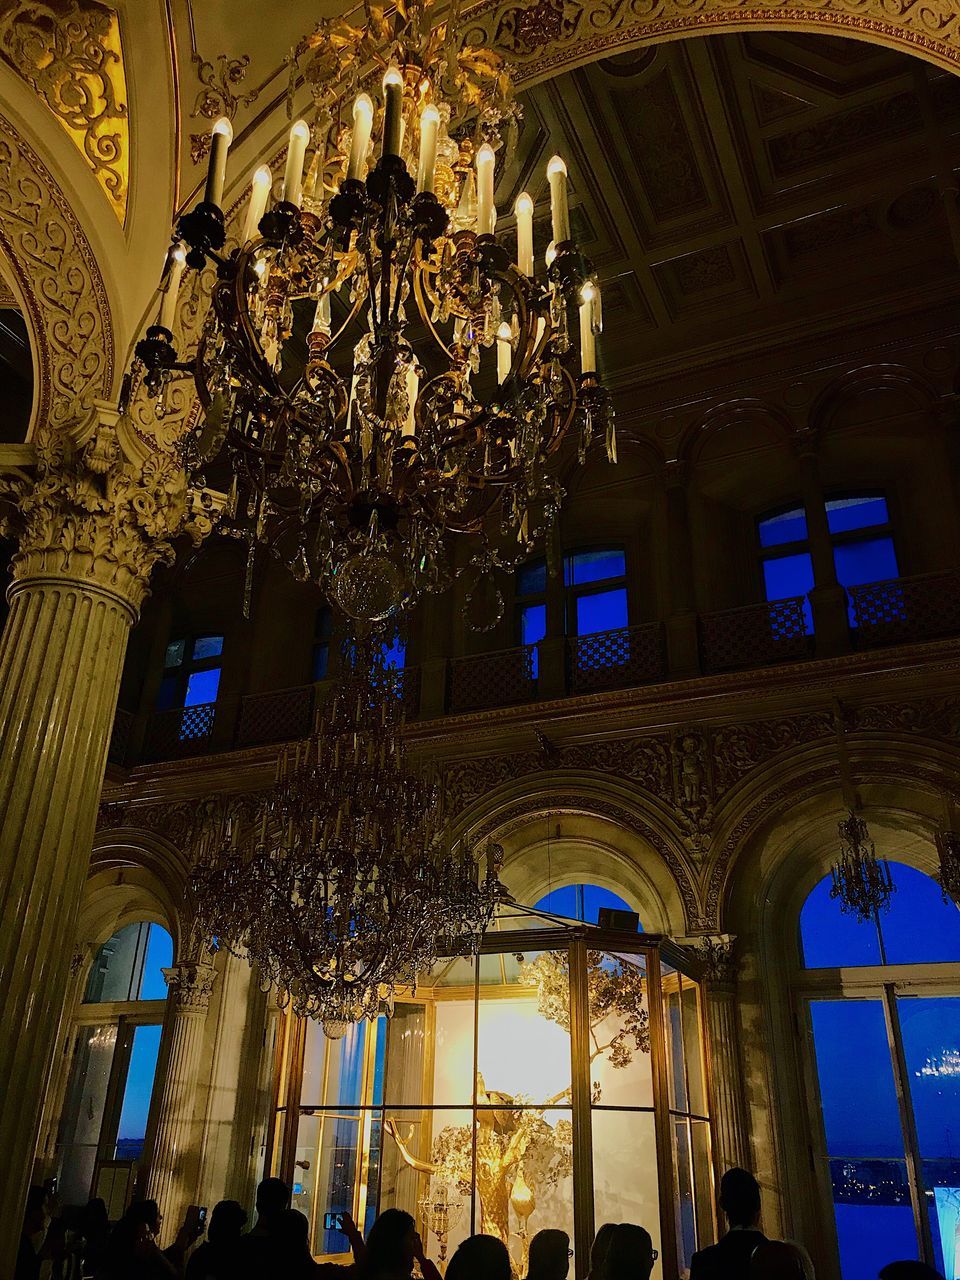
(380, 369)
(861, 881)
(340, 883)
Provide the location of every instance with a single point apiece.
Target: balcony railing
(183, 731)
(275, 717)
(617, 659)
(920, 608)
(755, 636)
(492, 680)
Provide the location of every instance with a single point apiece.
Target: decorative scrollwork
(69, 52)
(218, 96)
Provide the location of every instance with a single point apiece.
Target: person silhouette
(480, 1257)
(550, 1255)
(216, 1258)
(630, 1254)
(729, 1259)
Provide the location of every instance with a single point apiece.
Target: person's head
(601, 1243)
(549, 1256)
(145, 1213)
(480, 1258)
(778, 1260)
(95, 1218)
(740, 1198)
(630, 1254)
(273, 1196)
(226, 1222)
(35, 1212)
(291, 1235)
(392, 1243)
(909, 1271)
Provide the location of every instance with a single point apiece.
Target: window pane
(321, 660)
(560, 902)
(202, 687)
(532, 578)
(593, 566)
(788, 526)
(167, 693)
(830, 939)
(604, 611)
(871, 1194)
(931, 1044)
(83, 1111)
(785, 577)
(872, 560)
(175, 652)
(594, 898)
(919, 927)
(533, 623)
(856, 513)
(394, 653)
(115, 973)
(136, 1094)
(207, 647)
(625, 1182)
(153, 985)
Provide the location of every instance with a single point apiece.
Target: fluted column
(728, 1102)
(90, 525)
(175, 1160)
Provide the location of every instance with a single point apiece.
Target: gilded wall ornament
(69, 52)
(218, 96)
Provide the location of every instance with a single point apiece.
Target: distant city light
(945, 1064)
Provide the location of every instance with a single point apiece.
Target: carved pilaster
(718, 953)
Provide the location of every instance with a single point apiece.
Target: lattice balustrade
(903, 609)
(754, 636)
(275, 717)
(617, 659)
(182, 732)
(120, 737)
(492, 679)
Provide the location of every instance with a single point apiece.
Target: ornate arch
(550, 36)
(54, 271)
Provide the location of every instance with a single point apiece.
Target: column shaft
(728, 1106)
(60, 659)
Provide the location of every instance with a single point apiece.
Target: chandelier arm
(237, 320)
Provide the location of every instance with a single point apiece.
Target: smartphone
(202, 1215)
(50, 1186)
(333, 1222)
(195, 1217)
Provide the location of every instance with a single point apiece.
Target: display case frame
(662, 962)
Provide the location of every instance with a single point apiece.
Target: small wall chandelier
(340, 882)
(379, 368)
(861, 881)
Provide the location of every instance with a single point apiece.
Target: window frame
(189, 665)
(575, 592)
(885, 983)
(560, 600)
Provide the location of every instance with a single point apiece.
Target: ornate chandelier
(380, 369)
(948, 847)
(340, 883)
(861, 881)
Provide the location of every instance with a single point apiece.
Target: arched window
(116, 1047)
(862, 539)
(581, 902)
(882, 1001)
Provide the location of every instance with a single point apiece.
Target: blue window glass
(159, 956)
(207, 647)
(132, 1130)
(532, 578)
(533, 628)
(844, 514)
(593, 566)
(785, 577)
(167, 693)
(321, 661)
(870, 560)
(918, 928)
(786, 526)
(394, 653)
(128, 965)
(602, 611)
(581, 902)
(175, 653)
(202, 687)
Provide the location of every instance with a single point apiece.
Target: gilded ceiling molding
(549, 36)
(69, 52)
(217, 96)
(59, 279)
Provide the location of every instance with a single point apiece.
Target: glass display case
(557, 1079)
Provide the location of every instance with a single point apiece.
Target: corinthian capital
(101, 506)
(190, 985)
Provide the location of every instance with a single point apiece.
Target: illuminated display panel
(475, 1103)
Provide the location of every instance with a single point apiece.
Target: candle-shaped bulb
(504, 352)
(550, 254)
(427, 161)
(360, 141)
(296, 154)
(176, 261)
(393, 111)
(260, 186)
(588, 345)
(523, 209)
(486, 163)
(221, 135)
(559, 209)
